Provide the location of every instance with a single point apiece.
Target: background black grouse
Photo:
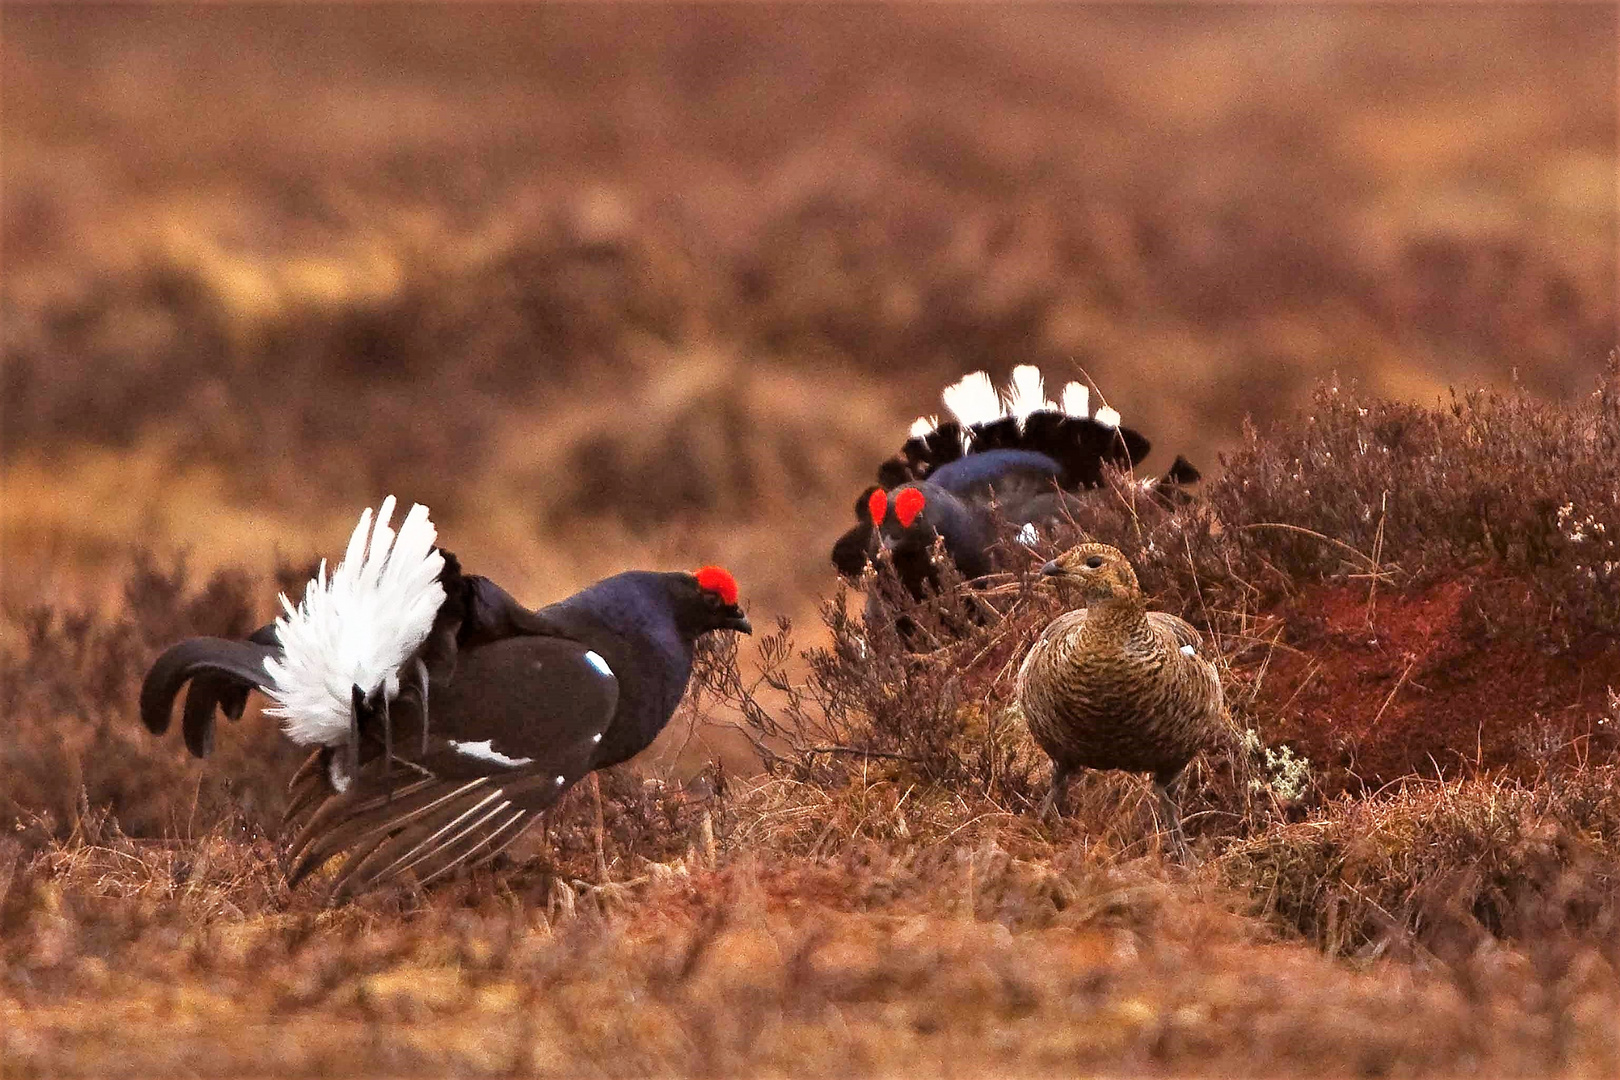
(1013, 458)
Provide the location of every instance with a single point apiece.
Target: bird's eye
(1095, 562)
(712, 599)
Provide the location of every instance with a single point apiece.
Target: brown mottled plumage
(1114, 685)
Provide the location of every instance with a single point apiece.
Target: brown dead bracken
(1114, 685)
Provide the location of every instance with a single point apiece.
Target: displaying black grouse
(1014, 454)
(448, 716)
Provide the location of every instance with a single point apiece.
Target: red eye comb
(720, 582)
(908, 505)
(877, 504)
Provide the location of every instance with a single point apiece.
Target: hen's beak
(1052, 569)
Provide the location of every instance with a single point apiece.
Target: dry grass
(660, 287)
(935, 949)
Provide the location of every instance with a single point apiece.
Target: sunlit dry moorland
(613, 287)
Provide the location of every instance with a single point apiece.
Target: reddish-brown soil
(1375, 687)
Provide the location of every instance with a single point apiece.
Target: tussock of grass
(1441, 866)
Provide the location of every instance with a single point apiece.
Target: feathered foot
(1170, 813)
(1052, 805)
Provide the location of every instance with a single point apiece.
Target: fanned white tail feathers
(973, 400)
(356, 628)
(923, 425)
(1077, 399)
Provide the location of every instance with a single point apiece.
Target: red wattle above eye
(908, 505)
(715, 580)
(877, 505)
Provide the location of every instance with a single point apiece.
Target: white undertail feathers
(1025, 393)
(973, 400)
(1077, 399)
(356, 628)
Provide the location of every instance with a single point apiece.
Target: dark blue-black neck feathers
(632, 620)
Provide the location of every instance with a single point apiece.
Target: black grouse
(1014, 454)
(448, 716)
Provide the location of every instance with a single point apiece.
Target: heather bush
(69, 681)
(1370, 488)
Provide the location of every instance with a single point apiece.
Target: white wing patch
(594, 658)
(1188, 650)
(485, 751)
(357, 627)
(923, 426)
(1107, 417)
(1028, 535)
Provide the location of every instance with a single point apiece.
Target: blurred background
(622, 285)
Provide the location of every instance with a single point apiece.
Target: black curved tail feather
(221, 673)
(1182, 471)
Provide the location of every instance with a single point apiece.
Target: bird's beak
(738, 622)
(885, 542)
(1052, 569)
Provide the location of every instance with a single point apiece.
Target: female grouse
(1114, 685)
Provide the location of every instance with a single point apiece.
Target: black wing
(545, 701)
(517, 727)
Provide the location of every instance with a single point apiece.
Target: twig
(1395, 690)
(1377, 555)
(1316, 665)
(858, 751)
(1371, 564)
